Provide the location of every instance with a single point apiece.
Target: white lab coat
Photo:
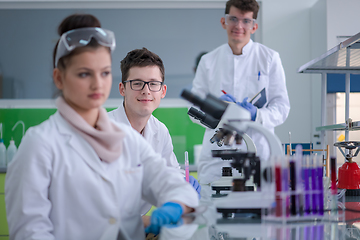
(157, 135)
(238, 75)
(57, 188)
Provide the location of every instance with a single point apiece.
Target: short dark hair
(244, 6)
(140, 58)
(71, 22)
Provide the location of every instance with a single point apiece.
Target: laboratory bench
(208, 224)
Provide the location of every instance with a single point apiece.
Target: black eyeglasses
(138, 85)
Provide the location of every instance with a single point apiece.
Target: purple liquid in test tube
(285, 188)
(314, 187)
(306, 175)
(320, 184)
(320, 232)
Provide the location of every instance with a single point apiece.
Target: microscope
(225, 182)
(233, 122)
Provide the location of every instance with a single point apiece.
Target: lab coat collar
(246, 49)
(120, 115)
(80, 145)
(151, 129)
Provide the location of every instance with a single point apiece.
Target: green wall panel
(4, 229)
(3, 222)
(30, 117)
(2, 182)
(185, 134)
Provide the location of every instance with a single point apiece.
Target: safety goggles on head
(246, 23)
(81, 37)
(138, 85)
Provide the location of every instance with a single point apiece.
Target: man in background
(241, 68)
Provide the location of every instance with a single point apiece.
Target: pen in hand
(229, 96)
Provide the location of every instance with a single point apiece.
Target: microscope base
(243, 202)
(225, 184)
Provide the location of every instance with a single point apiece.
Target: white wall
(298, 30)
(286, 29)
(301, 31)
(342, 20)
(317, 47)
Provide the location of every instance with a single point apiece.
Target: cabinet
(4, 232)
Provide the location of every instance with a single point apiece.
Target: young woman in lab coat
(79, 175)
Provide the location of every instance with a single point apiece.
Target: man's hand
(228, 98)
(251, 108)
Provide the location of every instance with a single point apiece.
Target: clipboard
(259, 99)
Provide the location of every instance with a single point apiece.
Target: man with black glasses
(142, 87)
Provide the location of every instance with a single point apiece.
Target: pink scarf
(106, 139)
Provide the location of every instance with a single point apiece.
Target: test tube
(306, 175)
(278, 187)
(320, 185)
(333, 184)
(314, 185)
(278, 201)
(186, 166)
(293, 197)
(285, 186)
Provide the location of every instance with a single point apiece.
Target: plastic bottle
(2, 154)
(10, 152)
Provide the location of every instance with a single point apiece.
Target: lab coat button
(112, 220)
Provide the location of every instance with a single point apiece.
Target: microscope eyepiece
(205, 119)
(211, 105)
(188, 95)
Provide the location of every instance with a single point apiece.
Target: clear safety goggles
(81, 37)
(246, 23)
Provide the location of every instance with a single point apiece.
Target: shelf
(340, 127)
(343, 58)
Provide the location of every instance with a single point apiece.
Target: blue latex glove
(228, 98)
(169, 213)
(251, 108)
(193, 182)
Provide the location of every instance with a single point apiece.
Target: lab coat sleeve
(200, 87)
(278, 107)
(26, 190)
(161, 183)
